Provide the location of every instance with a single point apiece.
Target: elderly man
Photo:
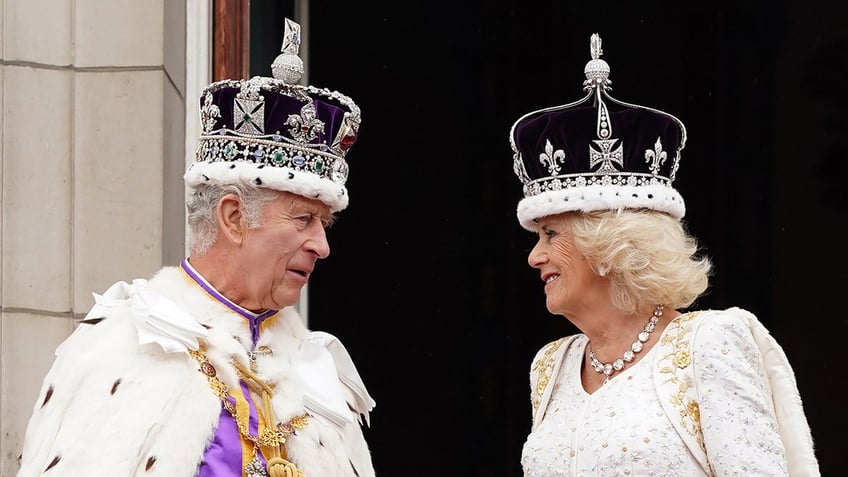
(207, 369)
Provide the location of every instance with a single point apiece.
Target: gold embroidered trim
(675, 363)
(544, 369)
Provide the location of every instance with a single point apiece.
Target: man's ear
(231, 223)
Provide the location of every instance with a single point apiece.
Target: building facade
(94, 126)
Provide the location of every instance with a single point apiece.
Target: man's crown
(275, 133)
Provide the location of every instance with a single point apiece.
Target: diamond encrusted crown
(597, 153)
(276, 133)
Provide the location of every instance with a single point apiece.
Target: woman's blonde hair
(648, 256)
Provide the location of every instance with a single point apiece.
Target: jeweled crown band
(270, 151)
(566, 181)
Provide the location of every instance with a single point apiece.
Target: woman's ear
(231, 223)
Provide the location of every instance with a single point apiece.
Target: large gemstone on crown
(347, 141)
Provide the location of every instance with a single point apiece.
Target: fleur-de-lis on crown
(209, 113)
(656, 157)
(306, 126)
(552, 159)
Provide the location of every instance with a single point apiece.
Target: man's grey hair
(203, 200)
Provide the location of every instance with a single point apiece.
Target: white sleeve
(740, 428)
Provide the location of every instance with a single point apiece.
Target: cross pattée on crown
(605, 155)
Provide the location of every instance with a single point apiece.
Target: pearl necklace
(608, 368)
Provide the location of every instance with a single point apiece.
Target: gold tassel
(278, 466)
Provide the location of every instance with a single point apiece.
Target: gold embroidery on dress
(675, 362)
(676, 367)
(544, 368)
(676, 337)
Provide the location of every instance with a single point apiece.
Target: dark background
(427, 284)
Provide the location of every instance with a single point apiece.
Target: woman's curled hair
(648, 256)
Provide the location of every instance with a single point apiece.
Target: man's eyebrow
(328, 220)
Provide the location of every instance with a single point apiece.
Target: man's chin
(290, 296)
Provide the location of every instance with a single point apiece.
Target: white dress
(620, 430)
(625, 428)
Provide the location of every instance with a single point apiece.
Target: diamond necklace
(608, 368)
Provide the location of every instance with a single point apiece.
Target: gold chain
(272, 436)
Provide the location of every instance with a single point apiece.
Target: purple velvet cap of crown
(573, 131)
(597, 153)
(277, 109)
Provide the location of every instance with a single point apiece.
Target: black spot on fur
(53, 463)
(115, 386)
(91, 321)
(257, 181)
(291, 175)
(47, 396)
(232, 166)
(205, 177)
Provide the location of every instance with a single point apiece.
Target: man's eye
(305, 218)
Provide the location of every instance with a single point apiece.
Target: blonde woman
(646, 387)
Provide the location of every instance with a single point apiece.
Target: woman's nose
(536, 258)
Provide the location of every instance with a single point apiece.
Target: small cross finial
(595, 46)
(291, 37)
